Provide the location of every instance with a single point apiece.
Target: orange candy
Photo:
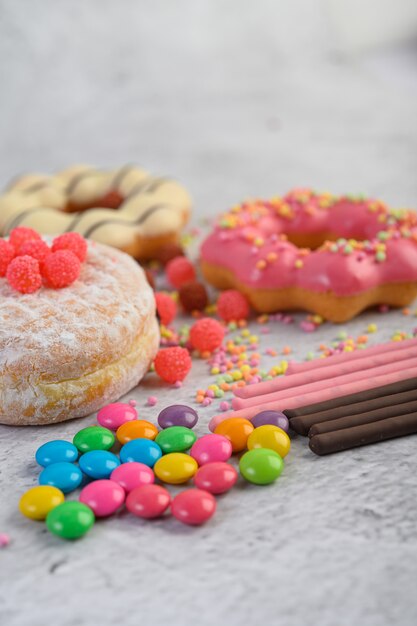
(136, 429)
(237, 430)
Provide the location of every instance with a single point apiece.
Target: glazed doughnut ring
(65, 353)
(334, 256)
(125, 208)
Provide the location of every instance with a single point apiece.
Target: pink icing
(374, 246)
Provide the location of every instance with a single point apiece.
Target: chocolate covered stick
(356, 436)
(331, 367)
(363, 418)
(333, 391)
(361, 396)
(303, 424)
(391, 346)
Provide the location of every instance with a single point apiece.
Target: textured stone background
(236, 99)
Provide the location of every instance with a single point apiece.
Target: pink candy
(210, 448)
(193, 506)
(104, 497)
(114, 415)
(216, 477)
(132, 475)
(148, 501)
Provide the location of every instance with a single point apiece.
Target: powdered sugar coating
(51, 340)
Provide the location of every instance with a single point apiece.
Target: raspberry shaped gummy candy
(232, 305)
(193, 296)
(73, 242)
(206, 334)
(166, 307)
(172, 364)
(35, 248)
(19, 236)
(61, 268)
(23, 274)
(7, 254)
(179, 271)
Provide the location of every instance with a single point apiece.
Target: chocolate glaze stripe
(360, 396)
(121, 175)
(339, 440)
(304, 423)
(140, 220)
(16, 221)
(37, 186)
(77, 178)
(363, 418)
(149, 185)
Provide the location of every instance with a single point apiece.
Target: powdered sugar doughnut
(330, 255)
(65, 353)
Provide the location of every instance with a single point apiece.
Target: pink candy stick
(333, 391)
(328, 381)
(342, 357)
(323, 373)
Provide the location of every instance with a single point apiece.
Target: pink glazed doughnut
(334, 256)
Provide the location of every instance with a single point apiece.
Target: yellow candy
(175, 468)
(272, 437)
(38, 501)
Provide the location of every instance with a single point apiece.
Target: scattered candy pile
(173, 455)
(28, 262)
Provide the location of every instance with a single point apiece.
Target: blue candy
(56, 451)
(141, 450)
(98, 463)
(64, 476)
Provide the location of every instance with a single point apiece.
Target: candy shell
(98, 463)
(261, 466)
(237, 430)
(175, 468)
(93, 438)
(175, 439)
(178, 415)
(272, 437)
(141, 450)
(148, 501)
(114, 415)
(56, 451)
(103, 497)
(37, 502)
(276, 418)
(138, 429)
(216, 477)
(211, 448)
(193, 507)
(63, 476)
(132, 475)
(70, 520)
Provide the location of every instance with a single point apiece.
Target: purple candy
(271, 417)
(177, 415)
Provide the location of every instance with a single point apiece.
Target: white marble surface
(236, 99)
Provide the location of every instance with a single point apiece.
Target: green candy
(70, 520)
(93, 438)
(261, 466)
(175, 439)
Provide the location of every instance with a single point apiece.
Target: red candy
(172, 364)
(148, 501)
(166, 307)
(216, 477)
(61, 269)
(179, 271)
(18, 236)
(7, 253)
(232, 305)
(206, 335)
(73, 242)
(23, 274)
(193, 506)
(35, 248)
